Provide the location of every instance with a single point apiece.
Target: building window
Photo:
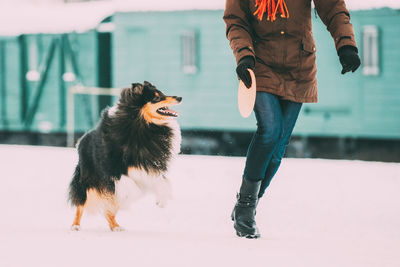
(370, 50)
(189, 52)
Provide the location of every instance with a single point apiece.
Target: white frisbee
(247, 96)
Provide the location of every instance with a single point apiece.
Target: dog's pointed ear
(137, 88)
(147, 84)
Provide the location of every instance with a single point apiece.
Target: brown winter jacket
(284, 49)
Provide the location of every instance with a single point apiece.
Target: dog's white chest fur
(177, 138)
(139, 182)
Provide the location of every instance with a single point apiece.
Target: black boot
(245, 210)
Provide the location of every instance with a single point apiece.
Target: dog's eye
(156, 99)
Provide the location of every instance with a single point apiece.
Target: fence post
(70, 117)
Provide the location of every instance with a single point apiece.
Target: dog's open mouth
(165, 111)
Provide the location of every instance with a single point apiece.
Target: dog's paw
(118, 229)
(75, 228)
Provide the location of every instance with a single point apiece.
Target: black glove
(348, 56)
(243, 74)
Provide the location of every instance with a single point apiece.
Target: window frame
(371, 58)
(189, 49)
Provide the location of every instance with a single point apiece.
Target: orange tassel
(259, 12)
(273, 8)
(286, 10)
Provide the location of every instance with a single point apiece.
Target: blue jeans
(275, 122)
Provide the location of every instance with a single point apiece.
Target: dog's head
(154, 106)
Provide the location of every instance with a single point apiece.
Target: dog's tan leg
(114, 226)
(77, 221)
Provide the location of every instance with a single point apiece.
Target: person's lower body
(276, 119)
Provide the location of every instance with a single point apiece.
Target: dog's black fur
(124, 138)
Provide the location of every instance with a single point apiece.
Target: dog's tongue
(173, 112)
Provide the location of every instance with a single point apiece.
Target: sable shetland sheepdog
(127, 154)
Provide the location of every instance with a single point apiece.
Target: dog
(127, 154)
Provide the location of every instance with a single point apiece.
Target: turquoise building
(184, 52)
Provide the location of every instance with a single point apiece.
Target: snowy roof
(56, 18)
(16, 19)
(371, 4)
(163, 5)
(168, 5)
(26, 18)
(140, 5)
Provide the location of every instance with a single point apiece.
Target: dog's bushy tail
(77, 189)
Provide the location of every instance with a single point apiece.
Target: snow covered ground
(317, 213)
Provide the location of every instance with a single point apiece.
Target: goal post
(82, 90)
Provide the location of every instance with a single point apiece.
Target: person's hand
(243, 74)
(349, 58)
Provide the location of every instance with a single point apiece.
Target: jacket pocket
(308, 46)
